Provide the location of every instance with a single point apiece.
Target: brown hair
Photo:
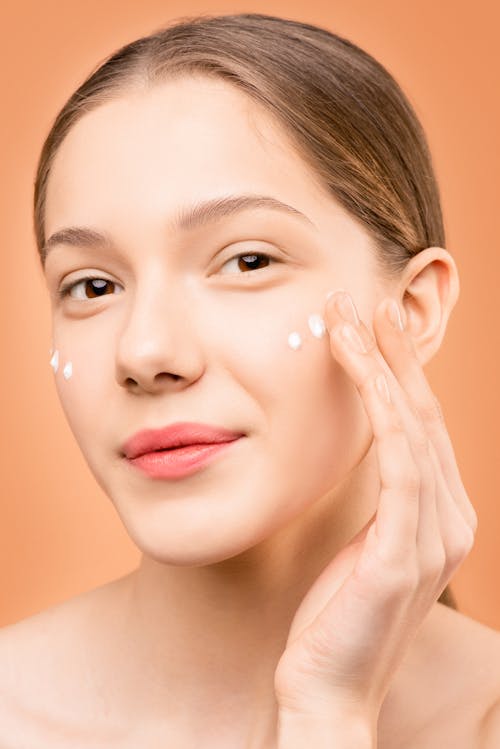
(346, 115)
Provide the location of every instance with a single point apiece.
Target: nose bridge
(154, 338)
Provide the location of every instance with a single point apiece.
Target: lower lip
(182, 461)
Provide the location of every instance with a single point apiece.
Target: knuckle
(403, 477)
(411, 480)
(395, 424)
(369, 377)
(468, 538)
(316, 640)
(434, 565)
(421, 442)
(473, 521)
(430, 411)
(460, 546)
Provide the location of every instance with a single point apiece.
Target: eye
(97, 287)
(94, 287)
(254, 260)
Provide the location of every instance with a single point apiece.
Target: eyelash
(67, 287)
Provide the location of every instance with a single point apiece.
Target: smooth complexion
(315, 322)
(229, 552)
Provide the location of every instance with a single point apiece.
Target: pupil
(97, 286)
(251, 260)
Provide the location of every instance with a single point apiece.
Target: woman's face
(185, 331)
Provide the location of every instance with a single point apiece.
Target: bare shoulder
(31, 645)
(30, 651)
(445, 690)
(43, 664)
(459, 673)
(473, 649)
(481, 644)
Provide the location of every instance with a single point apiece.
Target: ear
(428, 290)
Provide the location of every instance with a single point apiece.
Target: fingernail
(346, 308)
(394, 315)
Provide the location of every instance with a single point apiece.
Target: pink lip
(180, 461)
(185, 446)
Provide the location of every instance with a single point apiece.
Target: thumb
(328, 582)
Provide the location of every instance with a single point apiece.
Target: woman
(229, 179)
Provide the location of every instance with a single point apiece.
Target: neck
(209, 637)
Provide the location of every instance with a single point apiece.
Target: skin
(230, 552)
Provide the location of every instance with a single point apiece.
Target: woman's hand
(353, 627)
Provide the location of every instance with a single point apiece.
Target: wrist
(298, 730)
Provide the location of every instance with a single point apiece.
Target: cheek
(81, 382)
(310, 411)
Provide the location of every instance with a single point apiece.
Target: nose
(158, 348)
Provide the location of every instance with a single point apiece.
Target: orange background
(59, 533)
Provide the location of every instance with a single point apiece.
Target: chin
(195, 541)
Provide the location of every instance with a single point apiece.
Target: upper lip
(176, 435)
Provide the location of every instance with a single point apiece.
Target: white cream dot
(317, 325)
(68, 370)
(54, 362)
(294, 340)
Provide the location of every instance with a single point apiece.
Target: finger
(427, 535)
(439, 529)
(399, 351)
(444, 536)
(400, 479)
(456, 534)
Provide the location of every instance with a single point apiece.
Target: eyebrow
(186, 219)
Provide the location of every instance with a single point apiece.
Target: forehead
(184, 139)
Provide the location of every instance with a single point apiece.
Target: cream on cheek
(315, 322)
(317, 327)
(54, 363)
